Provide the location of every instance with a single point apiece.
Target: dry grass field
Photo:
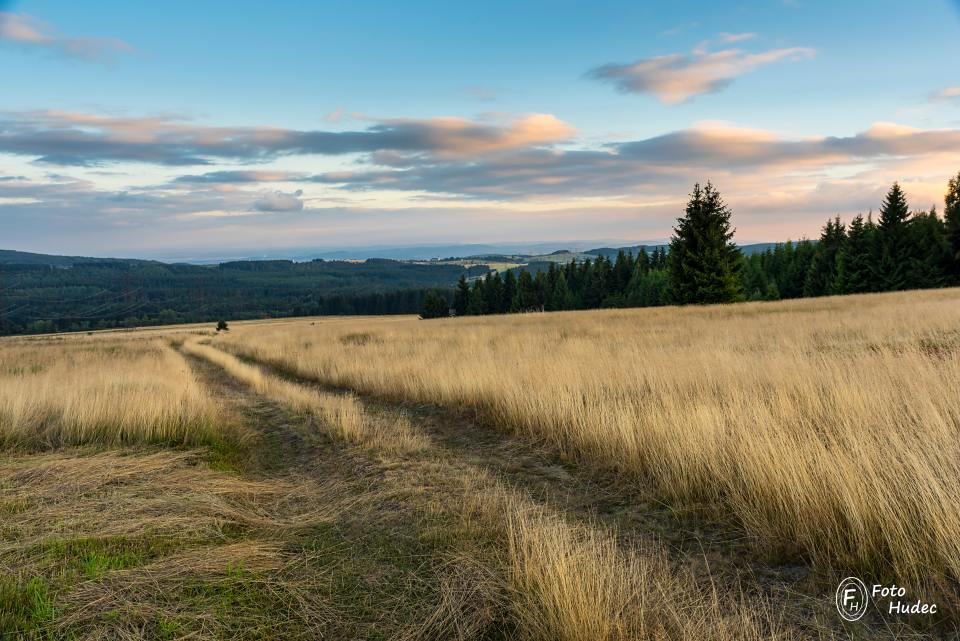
(671, 473)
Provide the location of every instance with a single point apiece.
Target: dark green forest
(896, 251)
(52, 293)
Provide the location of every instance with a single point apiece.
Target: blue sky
(137, 129)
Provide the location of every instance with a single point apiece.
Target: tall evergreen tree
(823, 270)
(434, 306)
(560, 297)
(526, 296)
(461, 298)
(642, 262)
(704, 263)
(855, 259)
(509, 293)
(622, 271)
(930, 260)
(951, 219)
(477, 305)
(895, 248)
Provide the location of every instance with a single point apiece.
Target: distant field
(665, 473)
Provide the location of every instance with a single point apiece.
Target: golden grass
(554, 581)
(340, 413)
(568, 582)
(829, 426)
(102, 390)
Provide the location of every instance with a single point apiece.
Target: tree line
(48, 293)
(899, 250)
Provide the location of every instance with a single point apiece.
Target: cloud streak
(676, 78)
(67, 138)
(946, 94)
(278, 201)
(628, 167)
(26, 31)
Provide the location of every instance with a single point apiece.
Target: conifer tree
(622, 271)
(930, 260)
(560, 297)
(951, 219)
(461, 298)
(492, 293)
(704, 264)
(526, 297)
(855, 259)
(509, 292)
(477, 305)
(895, 249)
(823, 270)
(434, 306)
(642, 262)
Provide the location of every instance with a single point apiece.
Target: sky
(147, 129)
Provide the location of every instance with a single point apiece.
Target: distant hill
(11, 257)
(41, 293)
(611, 252)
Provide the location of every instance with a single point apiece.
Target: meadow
(826, 426)
(670, 473)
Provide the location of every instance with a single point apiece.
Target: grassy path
(439, 519)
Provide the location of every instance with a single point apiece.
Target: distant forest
(899, 250)
(53, 293)
(894, 251)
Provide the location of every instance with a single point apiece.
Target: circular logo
(852, 598)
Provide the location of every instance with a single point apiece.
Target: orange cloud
(25, 30)
(675, 78)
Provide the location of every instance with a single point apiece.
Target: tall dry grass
(340, 413)
(575, 582)
(829, 426)
(552, 579)
(102, 390)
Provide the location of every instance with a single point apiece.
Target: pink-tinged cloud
(22, 29)
(671, 160)
(462, 137)
(946, 94)
(69, 138)
(278, 201)
(675, 78)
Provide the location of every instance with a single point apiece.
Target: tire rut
(716, 551)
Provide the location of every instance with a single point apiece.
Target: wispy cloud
(68, 138)
(481, 93)
(946, 94)
(277, 201)
(675, 78)
(26, 31)
(735, 37)
(628, 167)
(239, 177)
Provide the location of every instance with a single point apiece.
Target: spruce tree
(855, 259)
(895, 249)
(642, 262)
(951, 219)
(492, 293)
(704, 264)
(461, 298)
(526, 297)
(434, 306)
(930, 259)
(622, 271)
(477, 304)
(560, 297)
(509, 292)
(823, 270)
